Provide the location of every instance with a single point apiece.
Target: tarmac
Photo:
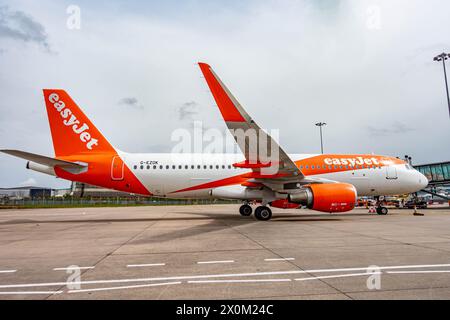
(211, 252)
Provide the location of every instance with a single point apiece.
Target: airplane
(264, 174)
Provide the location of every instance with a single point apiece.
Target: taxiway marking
(230, 275)
(215, 262)
(418, 271)
(240, 281)
(29, 292)
(145, 265)
(73, 268)
(125, 287)
(8, 271)
(279, 259)
(368, 274)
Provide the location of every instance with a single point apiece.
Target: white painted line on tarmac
(29, 292)
(368, 274)
(240, 281)
(145, 265)
(125, 287)
(8, 271)
(416, 272)
(215, 262)
(51, 284)
(280, 259)
(73, 268)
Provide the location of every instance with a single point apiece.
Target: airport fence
(105, 202)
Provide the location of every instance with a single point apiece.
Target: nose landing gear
(382, 211)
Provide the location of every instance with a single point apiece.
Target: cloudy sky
(364, 67)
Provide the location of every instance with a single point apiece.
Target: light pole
(320, 125)
(442, 57)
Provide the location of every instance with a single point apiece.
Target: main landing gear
(262, 213)
(245, 210)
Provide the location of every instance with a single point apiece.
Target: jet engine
(333, 197)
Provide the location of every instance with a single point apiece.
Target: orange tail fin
(72, 132)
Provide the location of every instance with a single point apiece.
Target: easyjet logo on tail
(70, 120)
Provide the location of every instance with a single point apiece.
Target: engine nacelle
(284, 204)
(333, 197)
(41, 168)
(236, 192)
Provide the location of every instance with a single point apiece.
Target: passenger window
(229, 167)
(154, 167)
(167, 167)
(211, 167)
(199, 167)
(192, 167)
(148, 167)
(174, 167)
(186, 167)
(135, 167)
(142, 167)
(205, 167)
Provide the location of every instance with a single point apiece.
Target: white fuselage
(169, 175)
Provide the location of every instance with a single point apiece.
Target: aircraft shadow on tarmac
(217, 223)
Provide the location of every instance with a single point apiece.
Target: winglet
(225, 101)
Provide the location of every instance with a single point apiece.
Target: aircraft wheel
(263, 213)
(246, 210)
(382, 211)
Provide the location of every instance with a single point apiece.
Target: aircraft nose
(422, 180)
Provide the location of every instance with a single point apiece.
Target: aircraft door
(391, 173)
(117, 169)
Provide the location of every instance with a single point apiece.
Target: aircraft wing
(268, 161)
(47, 161)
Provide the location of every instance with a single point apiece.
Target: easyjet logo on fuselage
(358, 161)
(71, 120)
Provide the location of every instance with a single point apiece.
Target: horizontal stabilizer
(47, 161)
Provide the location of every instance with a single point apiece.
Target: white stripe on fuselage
(162, 182)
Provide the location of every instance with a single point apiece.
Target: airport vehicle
(419, 204)
(263, 173)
